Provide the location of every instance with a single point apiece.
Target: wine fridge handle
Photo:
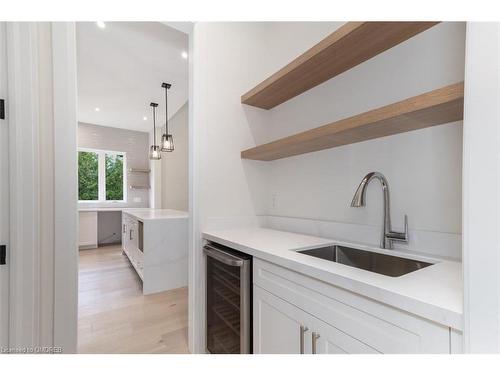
(222, 256)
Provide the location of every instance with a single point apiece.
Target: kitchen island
(156, 243)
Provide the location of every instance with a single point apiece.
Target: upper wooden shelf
(342, 50)
(432, 108)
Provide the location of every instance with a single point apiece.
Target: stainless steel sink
(374, 262)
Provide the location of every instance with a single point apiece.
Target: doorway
(120, 70)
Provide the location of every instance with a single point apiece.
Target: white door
(4, 195)
(279, 327)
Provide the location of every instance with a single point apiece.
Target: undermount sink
(370, 261)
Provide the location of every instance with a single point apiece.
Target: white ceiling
(121, 69)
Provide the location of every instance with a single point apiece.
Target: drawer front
(381, 327)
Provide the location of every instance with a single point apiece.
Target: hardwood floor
(115, 317)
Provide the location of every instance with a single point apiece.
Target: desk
(89, 225)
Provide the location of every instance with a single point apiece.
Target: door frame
(65, 186)
(4, 194)
(24, 109)
(22, 76)
(480, 190)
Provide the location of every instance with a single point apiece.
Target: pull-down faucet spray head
(359, 199)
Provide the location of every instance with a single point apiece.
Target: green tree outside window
(88, 176)
(114, 177)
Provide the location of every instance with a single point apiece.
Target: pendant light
(167, 141)
(154, 151)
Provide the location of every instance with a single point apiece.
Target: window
(101, 175)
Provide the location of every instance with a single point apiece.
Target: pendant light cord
(154, 126)
(166, 111)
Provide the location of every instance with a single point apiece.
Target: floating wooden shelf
(139, 170)
(342, 50)
(432, 108)
(137, 187)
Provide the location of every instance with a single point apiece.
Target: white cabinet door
(130, 234)
(326, 339)
(279, 327)
(282, 328)
(124, 231)
(88, 229)
(134, 234)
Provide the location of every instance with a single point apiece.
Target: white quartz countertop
(434, 292)
(103, 209)
(155, 213)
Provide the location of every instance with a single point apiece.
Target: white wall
(135, 144)
(227, 58)
(481, 189)
(155, 194)
(174, 175)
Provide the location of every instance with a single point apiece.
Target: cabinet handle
(303, 330)
(124, 228)
(315, 336)
(130, 235)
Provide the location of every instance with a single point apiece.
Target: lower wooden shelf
(432, 108)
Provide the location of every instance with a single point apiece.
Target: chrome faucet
(388, 236)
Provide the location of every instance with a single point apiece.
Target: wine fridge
(228, 300)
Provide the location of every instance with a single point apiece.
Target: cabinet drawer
(379, 326)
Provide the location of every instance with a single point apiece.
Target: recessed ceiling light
(145, 118)
(97, 109)
(101, 24)
(184, 55)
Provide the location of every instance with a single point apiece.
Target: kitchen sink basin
(374, 262)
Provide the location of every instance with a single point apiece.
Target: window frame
(101, 175)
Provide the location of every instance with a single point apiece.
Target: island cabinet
(132, 228)
(155, 242)
(294, 313)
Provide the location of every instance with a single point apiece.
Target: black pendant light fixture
(154, 151)
(167, 141)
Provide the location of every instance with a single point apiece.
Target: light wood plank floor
(115, 317)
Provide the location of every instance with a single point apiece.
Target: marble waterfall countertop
(155, 213)
(102, 209)
(434, 292)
